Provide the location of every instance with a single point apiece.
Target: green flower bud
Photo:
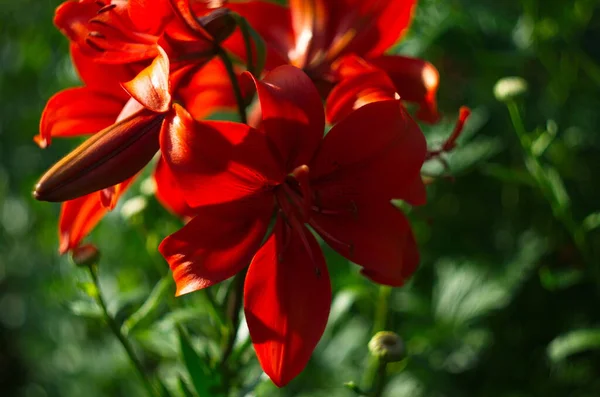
(509, 88)
(387, 346)
(85, 255)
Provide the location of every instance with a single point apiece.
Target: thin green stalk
(234, 302)
(560, 212)
(116, 330)
(375, 376)
(237, 91)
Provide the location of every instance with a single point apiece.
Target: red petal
(416, 81)
(374, 235)
(217, 162)
(216, 244)
(287, 295)
(292, 114)
(309, 21)
(360, 83)
(72, 17)
(274, 24)
(151, 86)
(109, 157)
(366, 27)
(150, 16)
(168, 192)
(208, 91)
(78, 217)
(102, 77)
(77, 111)
(377, 151)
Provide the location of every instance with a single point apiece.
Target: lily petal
(168, 192)
(360, 83)
(218, 243)
(77, 111)
(78, 217)
(416, 81)
(366, 27)
(217, 162)
(376, 236)
(292, 114)
(150, 16)
(287, 295)
(377, 151)
(274, 24)
(151, 86)
(208, 91)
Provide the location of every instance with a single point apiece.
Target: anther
(106, 8)
(94, 45)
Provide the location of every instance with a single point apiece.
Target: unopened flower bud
(509, 88)
(219, 24)
(109, 157)
(85, 255)
(387, 346)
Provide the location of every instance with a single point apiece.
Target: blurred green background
(505, 302)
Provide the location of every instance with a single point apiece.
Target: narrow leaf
(185, 390)
(150, 306)
(592, 221)
(200, 372)
(573, 342)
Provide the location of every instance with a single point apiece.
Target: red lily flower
(236, 177)
(316, 35)
(112, 44)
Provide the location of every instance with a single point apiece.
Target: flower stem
(376, 371)
(116, 330)
(233, 302)
(560, 211)
(237, 91)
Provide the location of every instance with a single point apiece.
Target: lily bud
(219, 24)
(109, 157)
(387, 346)
(85, 255)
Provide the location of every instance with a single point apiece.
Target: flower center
(294, 195)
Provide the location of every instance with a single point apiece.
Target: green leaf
(202, 376)
(506, 174)
(150, 306)
(556, 280)
(557, 187)
(592, 221)
(87, 309)
(545, 139)
(88, 288)
(164, 392)
(573, 342)
(185, 390)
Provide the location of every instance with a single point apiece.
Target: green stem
(116, 330)
(237, 91)
(375, 376)
(233, 307)
(537, 171)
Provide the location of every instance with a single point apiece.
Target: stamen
(97, 34)
(325, 234)
(106, 8)
(94, 45)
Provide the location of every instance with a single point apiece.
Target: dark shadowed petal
(217, 162)
(217, 243)
(360, 83)
(168, 192)
(78, 217)
(77, 111)
(151, 86)
(373, 234)
(366, 27)
(377, 151)
(416, 81)
(287, 296)
(292, 114)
